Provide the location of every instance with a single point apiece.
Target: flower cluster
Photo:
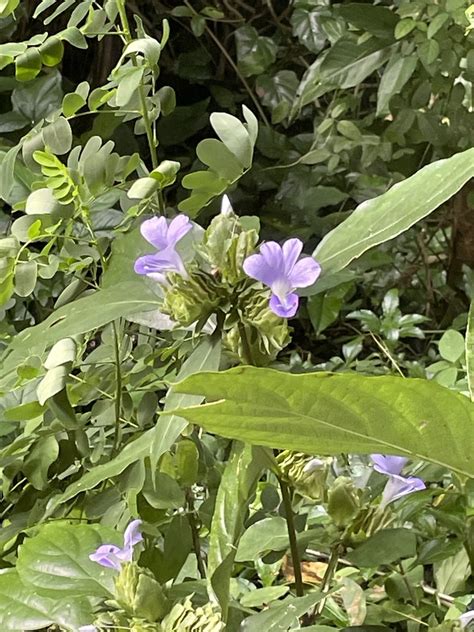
(278, 267)
(397, 485)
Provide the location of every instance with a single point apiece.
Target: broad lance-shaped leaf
(378, 220)
(329, 413)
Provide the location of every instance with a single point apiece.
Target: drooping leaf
(325, 413)
(235, 492)
(395, 76)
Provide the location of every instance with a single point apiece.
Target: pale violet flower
(466, 618)
(281, 269)
(226, 206)
(112, 556)
(164, 235)
(87, 628)
(397, 486)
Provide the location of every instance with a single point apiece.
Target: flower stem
(141, 91)
(118, 389)
(290, 524)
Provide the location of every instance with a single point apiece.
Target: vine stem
(235, 68)
(141, 92)
(195, 534)
(328, 577)
(295, 556)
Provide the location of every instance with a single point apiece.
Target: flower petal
(155, 231)
(399, 486)
(133, 534)
(178, 228)
(257, 268)
(388, 465)
(291, 250)
(167, 260)
(286, 308)
(106, 555)
(304, 272)
(226, 206)
(272, 253)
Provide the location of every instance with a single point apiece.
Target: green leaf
(36, 465)
(41, 202)
(451, 574)
(429, 51)
(51, 51)
(21, 608)
(28, 65)
(384, 547)
(396, 74)
(451, 345)
(377, 20)
(7, 7)
(58, 136)
(404, 27)
(234, 136)
(72, 103)
(56, 561)
(85, 314)
(282, 616)
(206, 356)
(436, 24)
(307, 28)
(324, 413)
(134, 451)
(263, 596)
(63, 352)
(254, 52)
(348, 63)
(53, 382)
(26, 273)
(269, 534)
(236, 489)
(470, 350)
(378, 220)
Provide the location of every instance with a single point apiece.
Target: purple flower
(278, 267)
(112, 556)
(397, 486)
(164, 236)
(388, 465)
(466, 618)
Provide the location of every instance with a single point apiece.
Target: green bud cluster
(305, 473)
(185, 618)
(217, 283)
(343, 501)
(139, 593)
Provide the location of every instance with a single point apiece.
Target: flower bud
(139, 593)
(185, 618)
(343, 502)
(305, 473)
(187, 300)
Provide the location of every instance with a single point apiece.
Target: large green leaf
(131, 453)
(325, 413)
(56, 561)
(206, 356)
(235, 492)
(378, 220)
(83, 315)
(23, 609)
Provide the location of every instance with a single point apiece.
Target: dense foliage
(203, 428)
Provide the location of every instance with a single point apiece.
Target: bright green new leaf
(451, 345)
(28, 65)
(325, 413)
(234, 136)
